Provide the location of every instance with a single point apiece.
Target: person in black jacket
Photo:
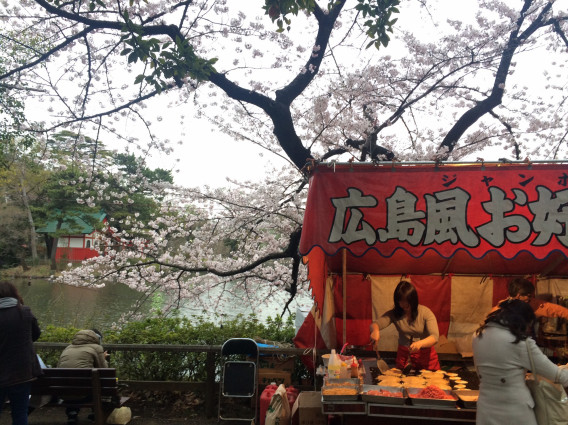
(19, 364)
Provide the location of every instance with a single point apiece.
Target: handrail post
(210, 383)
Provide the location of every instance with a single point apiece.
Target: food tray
(382, 399)
(468, 398)
(347, 382)
(431, 401)
(338, 385)
(338, 397)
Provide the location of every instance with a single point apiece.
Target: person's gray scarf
(8, 302)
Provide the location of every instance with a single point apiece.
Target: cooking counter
(361, 412)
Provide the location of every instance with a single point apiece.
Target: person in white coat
(501, 360)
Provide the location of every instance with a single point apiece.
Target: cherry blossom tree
(305, 82)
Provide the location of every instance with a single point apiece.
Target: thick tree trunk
(54, 242)
(53, 262)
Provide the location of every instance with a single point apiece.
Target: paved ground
(147, 407)
(56, 416)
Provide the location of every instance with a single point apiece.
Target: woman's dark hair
(520, 286)
(407, 292)
(8, 290)
(99, 333)
(516, 315)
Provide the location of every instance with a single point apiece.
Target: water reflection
(63, 305)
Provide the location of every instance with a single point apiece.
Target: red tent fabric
(358, 309)
(429, 223)
(433, 291)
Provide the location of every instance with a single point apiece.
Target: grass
(33, 272)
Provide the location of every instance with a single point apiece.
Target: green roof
(74, 223)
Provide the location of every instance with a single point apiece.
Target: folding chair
(239, 380)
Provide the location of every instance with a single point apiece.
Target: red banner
(446, 209)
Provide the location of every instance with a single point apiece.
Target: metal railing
(209, 388)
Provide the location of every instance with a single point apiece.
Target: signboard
(445, 209)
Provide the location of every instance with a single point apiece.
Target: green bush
(176, 366)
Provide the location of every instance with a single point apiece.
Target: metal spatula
(381, 364)
(407, 367)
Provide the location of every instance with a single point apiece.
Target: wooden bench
(93, 388)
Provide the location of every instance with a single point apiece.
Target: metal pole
(344, 296)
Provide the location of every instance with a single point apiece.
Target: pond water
(63, 305)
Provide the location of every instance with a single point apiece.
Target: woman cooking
(417, 329)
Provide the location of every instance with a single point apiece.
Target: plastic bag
(120, 416)
(278, 412)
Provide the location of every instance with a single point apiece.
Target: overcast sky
(206, 148)
(208, 156)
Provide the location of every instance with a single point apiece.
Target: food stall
(394, 398)
(457, 231)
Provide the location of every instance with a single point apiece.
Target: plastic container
(354, 370)
(334, 365)
(344, 372)
(292, 389)
(265, 398)
(292, 394)
(347, 359)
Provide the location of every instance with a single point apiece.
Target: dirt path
(56, 416)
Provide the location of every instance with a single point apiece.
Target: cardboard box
(268, 376)
(307, 409)
(279, 363)
(285, 363)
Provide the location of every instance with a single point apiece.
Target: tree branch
(496, 96)
(326, 22)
